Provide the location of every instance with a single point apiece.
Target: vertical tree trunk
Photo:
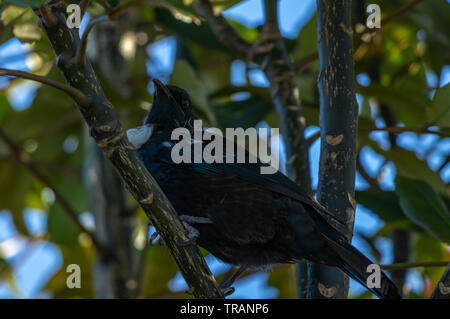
(114, 277)
(339, 126)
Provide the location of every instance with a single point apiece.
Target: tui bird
(240, 216)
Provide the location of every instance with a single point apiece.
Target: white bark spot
(327, 292)
(352, 200)
(148, 200)
(334, 140)
(443, 289)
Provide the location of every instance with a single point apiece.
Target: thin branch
(397, 14)
(74, 93)
(81, 53)
(398, 129)
(63, 169)
(27, 163)
(271, 11)
(313, 138)
(414, 265)
(223, 30)
(371, 181)
(304, 62)
(83, 7)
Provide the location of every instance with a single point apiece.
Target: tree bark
(110, 136)
(339, 126)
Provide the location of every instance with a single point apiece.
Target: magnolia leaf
(439, 113)
(424, 206)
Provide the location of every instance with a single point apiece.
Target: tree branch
(398, 129)
(110, 136)
(408, 265)
(25, 161)
(339, 128)
(223, 30)
(81, 53)
(75, 94)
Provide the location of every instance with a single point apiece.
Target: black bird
(243, 217)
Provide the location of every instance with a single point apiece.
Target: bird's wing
(277, 182)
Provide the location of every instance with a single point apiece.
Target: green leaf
(439, 113)
(184, 76)
(61, 227)
(11, 13)
(26, 3)
(242, 113)
(428, 248)
(12, 197)
(383, 203)
(408, 165)
(424, 206)
(24, 21)
(408, 105)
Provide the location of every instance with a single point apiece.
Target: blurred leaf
(25, 23)
(408, 165)
(12, 197)
(242, 113)
(61, 227)
(383, 203)
(307, 37)
(409, 106)
(26, 3)
(5, 108)
(439, 113)
(428, 248)
(423, 205)
(184, 76)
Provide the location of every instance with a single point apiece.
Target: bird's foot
(155, 238)
(194, 234)
(227, 290)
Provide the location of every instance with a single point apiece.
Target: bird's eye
(185, 103)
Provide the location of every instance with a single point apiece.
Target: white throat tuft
(138, 136)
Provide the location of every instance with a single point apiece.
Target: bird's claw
(227, 291)
(155, 238)
(194, 234)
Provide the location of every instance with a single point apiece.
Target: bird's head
(171, 108)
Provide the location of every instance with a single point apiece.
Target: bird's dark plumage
(257, 220)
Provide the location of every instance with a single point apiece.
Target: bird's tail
(355, 264)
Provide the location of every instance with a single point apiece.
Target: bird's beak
(161, 89)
